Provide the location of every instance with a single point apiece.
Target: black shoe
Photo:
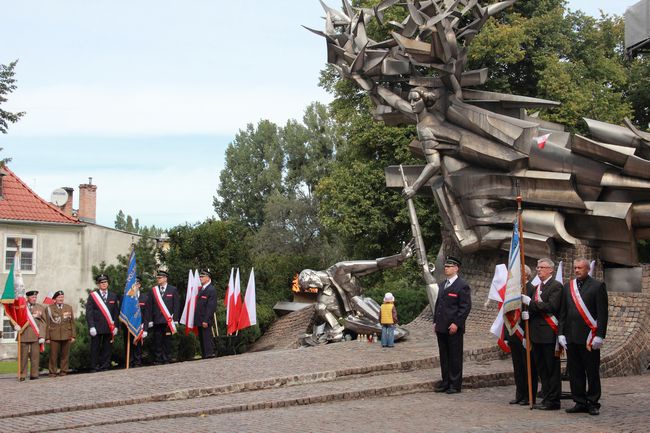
(515, 401)
(440, 387)
(593, 410)
(524, 403)
(22, 379)
(33, 378)
(578, 408)
(547, 407)
(452, 391)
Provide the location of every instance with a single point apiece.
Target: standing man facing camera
(164, 310)
(206, 305)
(32, 336)
(102, 311)
(61, 333)
(452, 308)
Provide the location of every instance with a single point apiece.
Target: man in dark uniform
(102, 311)
(206, 305)
(519, 363)
(544, 303)
(30, 340)
(452, 308)
(61, 333)
(164, 305)
(583, 325)
(136, 346)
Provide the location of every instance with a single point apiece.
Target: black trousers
(162, 341)
(136, 351)
(548, 367)
(450, 348)
(519, 365)
(101, 346)
(584, 374)
(206, 341)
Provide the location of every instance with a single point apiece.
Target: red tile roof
(20, 203)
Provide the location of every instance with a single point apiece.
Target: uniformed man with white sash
(164, 312)
(102, 312)
(32, 337)
(583, 325)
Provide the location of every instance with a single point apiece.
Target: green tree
(7, 86)
(126, 223)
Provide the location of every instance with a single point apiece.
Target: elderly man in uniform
(164, 304)
(452, 308)
(31, 338)
(583, 325)
(61, 333)
(206, 305)
(544, 305)
(102, 311)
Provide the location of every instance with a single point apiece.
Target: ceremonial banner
(130, 313)
(512, 296)
(234, 306)
(187, 318)
(248, 313)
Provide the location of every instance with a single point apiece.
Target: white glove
(17, 328)
(176, 324)
(525, 299)
(562, 340)
(93, 332)
(523, 343)
(41, 341)
(150, 324)
(114, 331)
(597, 343)
(144, 334)
(525, 315)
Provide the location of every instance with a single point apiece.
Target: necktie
(104, 296)
(579, 284)
(447, 285)
(60, 307)
(162, 290)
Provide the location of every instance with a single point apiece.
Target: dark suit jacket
(594, 295)
(551, 302)
(206, 305)
(145, 311)
(452, 306)
(172, 300)
(95, 318)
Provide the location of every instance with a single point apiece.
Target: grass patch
(8, 367)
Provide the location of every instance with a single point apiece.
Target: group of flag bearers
(157, 312)
(556, 317)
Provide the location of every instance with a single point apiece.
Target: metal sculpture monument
(482, 149)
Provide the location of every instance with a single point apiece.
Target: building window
(8, 332)
(27, 253)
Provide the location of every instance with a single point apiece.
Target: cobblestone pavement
(341, 387)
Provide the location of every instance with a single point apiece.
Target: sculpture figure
(483, 149)
(340, 305)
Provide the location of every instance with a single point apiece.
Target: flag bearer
(32, 336)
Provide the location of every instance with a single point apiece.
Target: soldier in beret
(102, 311)
(452, 308)
(164, 309)
(61, 333)
(31, 338)
(206, 305)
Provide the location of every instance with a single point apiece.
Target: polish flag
(234, 305)
(498, 293)
(187, 318)
(229, 290)
(541, 141)
(248, 313)
(48, 299)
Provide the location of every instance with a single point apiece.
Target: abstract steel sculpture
(339, 298)
(482, 148)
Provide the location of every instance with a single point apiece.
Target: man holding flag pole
(130, 313)
(206, 306)
(14, 301)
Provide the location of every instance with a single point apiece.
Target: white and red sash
(99, 301)
(584, 312)
(550, 318)
(163, 309)
(32, 323)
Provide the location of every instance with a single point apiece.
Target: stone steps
(374, 381)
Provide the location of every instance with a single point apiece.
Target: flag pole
(523, 291)
(19, 354)
(128, 348)
(216, 325)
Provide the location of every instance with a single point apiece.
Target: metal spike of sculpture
(480, 145)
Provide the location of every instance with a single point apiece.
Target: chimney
(67, 207)
(87, 201)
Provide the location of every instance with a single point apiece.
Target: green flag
(8, 295)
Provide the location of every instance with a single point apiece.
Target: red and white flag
(541, 141)
(498, 293)
(226, 299)
(187, 318)
(48, 299)
(248, 312)
(234, 305)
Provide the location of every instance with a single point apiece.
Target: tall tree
(7, 86)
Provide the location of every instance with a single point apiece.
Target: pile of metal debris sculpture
(482, 148)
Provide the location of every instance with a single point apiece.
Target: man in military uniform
(102, 311)
(61, 333)
(206, 305)
(452, 308)
(164, 304)
(583, 325)
(544, 304)
(32, 338)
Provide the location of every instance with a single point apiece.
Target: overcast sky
(144, 96)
